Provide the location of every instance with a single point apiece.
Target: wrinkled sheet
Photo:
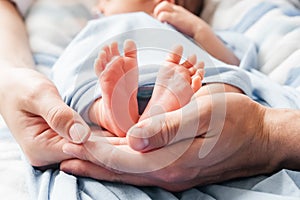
(74, 75)
(275, 82)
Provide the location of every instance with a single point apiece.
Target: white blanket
(46, 16)
(12, 167)
(276, 32)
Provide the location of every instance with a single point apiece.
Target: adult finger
(87, 169)
(60, 117)
(160, 130)
(100, 151)
(113, 157)
(174, 176)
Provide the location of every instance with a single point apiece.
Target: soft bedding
(13, 184)
(273, 27)
(74, 75)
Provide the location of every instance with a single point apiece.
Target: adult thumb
(164, 129)
(150, 133)
(168, 128)
(65, 121)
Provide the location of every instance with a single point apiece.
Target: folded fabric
(74, 75)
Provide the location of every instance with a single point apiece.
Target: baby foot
(117, 110)
(175, 84)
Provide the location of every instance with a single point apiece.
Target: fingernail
(140, 143)
(78, 133)
(137, 143)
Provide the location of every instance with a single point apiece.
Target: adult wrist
(263, 144)
(283, 128)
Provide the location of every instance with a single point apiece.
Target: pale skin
(38, 119)
(28, 127)
(117, 109)
(182, 19)
(103, 112)
(260, 140)
(33, 111)
(243, 137)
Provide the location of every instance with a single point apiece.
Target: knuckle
(169, 132)
(58, 115)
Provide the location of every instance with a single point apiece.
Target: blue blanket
(74, 75)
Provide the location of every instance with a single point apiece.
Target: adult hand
(228, 145)
(37, 117)
(145, 137)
